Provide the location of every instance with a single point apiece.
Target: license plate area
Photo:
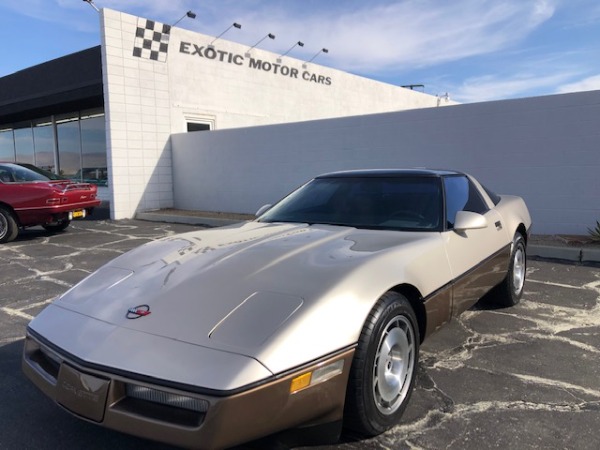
(82, 394)
(78, 214)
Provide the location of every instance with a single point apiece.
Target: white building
(160, 80)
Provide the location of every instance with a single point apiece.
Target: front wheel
(510, 291)
(60, 226)
(384, 367)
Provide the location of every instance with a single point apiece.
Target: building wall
(138, 126)
(147, 97)
(544, 149)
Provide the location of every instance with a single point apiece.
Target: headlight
(166, 398)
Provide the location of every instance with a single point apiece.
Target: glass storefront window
(43, 140)
(93, 149)
(78, 139)
(7, 145)
(24, 145)
(69, 147)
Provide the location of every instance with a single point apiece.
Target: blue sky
(475, 50)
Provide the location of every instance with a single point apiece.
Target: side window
(461, 195)
(5, 175)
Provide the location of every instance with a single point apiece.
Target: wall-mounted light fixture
(270, 36)
(305, 64)
(234, 25)
(190, 14)
(413, 86)
(299, 44)
(445, 97)
(91, 3)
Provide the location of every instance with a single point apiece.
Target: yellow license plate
(78, 214)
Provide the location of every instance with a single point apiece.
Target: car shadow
(489, 302)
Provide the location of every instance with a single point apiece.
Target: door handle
(498, 225)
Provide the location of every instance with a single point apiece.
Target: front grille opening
(46, 361)
(163, 406)
(161, 413)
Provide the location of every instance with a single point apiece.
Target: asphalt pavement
(524, 377)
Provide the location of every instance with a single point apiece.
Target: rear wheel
(510, 291)
(384, 367)
(8, 225)
(60, 226)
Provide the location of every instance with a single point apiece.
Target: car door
(478, 256)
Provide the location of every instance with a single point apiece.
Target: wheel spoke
(3, 226)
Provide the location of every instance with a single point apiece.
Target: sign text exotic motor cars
(210, 52)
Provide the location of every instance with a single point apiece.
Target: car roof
(390, 173)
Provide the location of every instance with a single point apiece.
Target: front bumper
(216, 421)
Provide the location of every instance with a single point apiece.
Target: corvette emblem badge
(138, 311)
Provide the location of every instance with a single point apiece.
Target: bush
(595, 232)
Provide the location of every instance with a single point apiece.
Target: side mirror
(263, 209)
(466, 220)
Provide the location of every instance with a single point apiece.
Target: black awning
(65, 84)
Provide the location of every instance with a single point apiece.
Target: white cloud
(486, 88)
(587, 84)
(64, 14)
(395, 36)
(379, 36)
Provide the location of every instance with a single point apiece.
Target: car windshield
(407, 203)
(16, 173)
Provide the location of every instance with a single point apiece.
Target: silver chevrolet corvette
(309, 316)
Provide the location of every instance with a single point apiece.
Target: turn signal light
(301, 382)
(317, 376)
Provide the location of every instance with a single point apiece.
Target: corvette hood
(234, 288)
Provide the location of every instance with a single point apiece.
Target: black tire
(379, 390)
(510, 291)
(8, 225)
(60, 226)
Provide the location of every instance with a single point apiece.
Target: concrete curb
(590, 255)
(572, 254)
(555, 252)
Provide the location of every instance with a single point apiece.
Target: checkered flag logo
(151, 40)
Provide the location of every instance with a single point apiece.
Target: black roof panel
(64, 84)
(420, 172)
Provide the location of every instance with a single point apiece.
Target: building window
(72, 145)
(43, 143)
(7, 145)
(24, 144)
(93, 149)
(199, 122)
(69, 146)
(197, 126)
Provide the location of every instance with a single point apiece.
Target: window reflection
(24, 145)
(43, 140)
(69, 148)
(7, 145)
(93, 150)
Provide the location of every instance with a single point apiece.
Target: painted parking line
(16, 313)
(551, 283)
(20, 312)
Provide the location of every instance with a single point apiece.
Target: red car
(31, 196)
